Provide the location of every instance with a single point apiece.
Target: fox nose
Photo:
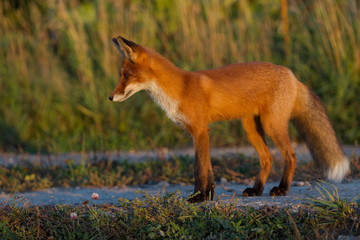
(111, 98)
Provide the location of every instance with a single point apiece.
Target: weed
(330, 204)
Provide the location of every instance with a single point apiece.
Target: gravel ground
(224, 190)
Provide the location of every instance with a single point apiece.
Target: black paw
(201, 196)
(197, 197)
(250, 192)
(279, 191)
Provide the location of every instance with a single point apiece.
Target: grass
(58, 65)
(169, 216)
(331, 203)
(116, 174)
(176, 170)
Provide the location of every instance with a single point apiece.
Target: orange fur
(263, 95)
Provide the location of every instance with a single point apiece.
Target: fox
(264, 96)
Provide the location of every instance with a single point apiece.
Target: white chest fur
(170, 105)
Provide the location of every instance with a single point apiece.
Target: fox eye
(126, 76)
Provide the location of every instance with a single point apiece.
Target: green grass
(58, 65)
(117, 174)
(176, 170)
(169, 216)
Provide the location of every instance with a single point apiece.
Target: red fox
(263, 95)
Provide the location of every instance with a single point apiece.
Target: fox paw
(250, 192)
(279, 191)
(201, 196)
(197, 197)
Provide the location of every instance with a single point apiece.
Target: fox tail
(312, 122)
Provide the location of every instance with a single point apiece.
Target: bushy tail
(312, 122)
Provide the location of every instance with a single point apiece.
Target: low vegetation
(169, 216)
(238, 168)
(116, 174)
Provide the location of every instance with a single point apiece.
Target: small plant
(330, 199)
(331, 209)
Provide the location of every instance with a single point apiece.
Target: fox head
(135, 73)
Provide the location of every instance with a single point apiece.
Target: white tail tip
(338, 172)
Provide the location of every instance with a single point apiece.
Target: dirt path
(75, 196)
(224, 191)
(10, 159)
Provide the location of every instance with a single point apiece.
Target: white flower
(95, 196)
(73, 215)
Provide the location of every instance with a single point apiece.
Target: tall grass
(58, 65)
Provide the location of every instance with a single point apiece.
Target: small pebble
(163, 184)
(301, 183)
(223, 180)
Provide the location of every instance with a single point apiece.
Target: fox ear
(125, 47)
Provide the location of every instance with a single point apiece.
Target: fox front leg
(204, 179)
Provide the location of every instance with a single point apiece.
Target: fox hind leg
(255, 134)
(277, 130)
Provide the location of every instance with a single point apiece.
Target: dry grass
(58, 64)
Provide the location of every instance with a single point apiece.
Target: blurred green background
(58, 66)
